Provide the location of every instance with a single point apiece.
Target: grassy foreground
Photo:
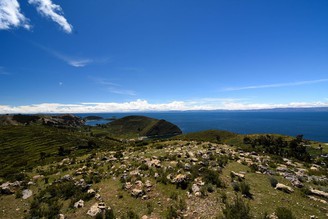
(211, 174)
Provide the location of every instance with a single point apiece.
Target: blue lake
(313, 125)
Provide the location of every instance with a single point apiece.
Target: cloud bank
(11, 16)
(52, 11)
(144, 106)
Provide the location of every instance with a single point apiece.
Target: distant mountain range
(290, 109)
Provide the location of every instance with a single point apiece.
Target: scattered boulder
(135, 173)
(317, 199)
(6, 189)
(79, 204)
(297, 183)
(67, 177)
(148, 184)
(91, 191)
(319, 193)
(137, 193)
(199, 181)
(238, 175)
(98, 197)
(284, 188)
(187, 166)
(139, 184)
(94, 210)
(36, 177)
(195, 188)
(27, 193)
(179, 178)
(128, 185)
(61, 216)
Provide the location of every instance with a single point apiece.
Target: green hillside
(215, 136)
(141, 126)
(22, 147)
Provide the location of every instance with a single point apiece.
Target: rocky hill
(142, 126)
(66, 120)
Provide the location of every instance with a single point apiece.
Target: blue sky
(140, 55)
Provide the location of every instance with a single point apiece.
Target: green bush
(273, 181)
(174, 196)
(171, 213)
(130, 214)
(212, 177)
(284, 213)
(305, 191)
(150, 208)
(245, 189)
(143, 167)
(224, 197)
(19, 193)
(109, 214)
(235, 186)
(237, 210)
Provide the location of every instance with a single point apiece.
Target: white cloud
(289, 84)
(72, 61)
(144, 105)
(53, 11)
(77, 62)
(11, 16)
(113, 87)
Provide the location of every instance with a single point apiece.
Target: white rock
(94, 210)
(27, 193)
(79, 204)
(284, 188)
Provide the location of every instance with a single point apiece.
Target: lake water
(313, 125)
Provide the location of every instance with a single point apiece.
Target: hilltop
(141, 126)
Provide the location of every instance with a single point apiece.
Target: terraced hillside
(23, 147)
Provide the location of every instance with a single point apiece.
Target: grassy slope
(209, 135)
(134, 126)
(230, 138)
(130, 126)
(20, 146)
(265, 198)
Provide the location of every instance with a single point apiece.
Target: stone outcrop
(97, 208)
(284, 188)
(79, 204)
(27, 193)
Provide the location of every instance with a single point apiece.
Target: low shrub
(235, 186)
(171, 212)
(284, 213)
(237, 210)
(273, 181)
(245, 189)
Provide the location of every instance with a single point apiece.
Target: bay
(313, 125)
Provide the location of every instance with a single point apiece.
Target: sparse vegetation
(273, 181)
(284, 213)
(238, 209)
(160, 172)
